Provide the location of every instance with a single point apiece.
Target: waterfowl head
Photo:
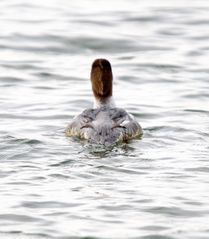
(101, 79)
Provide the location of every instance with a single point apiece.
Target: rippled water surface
(52, 186)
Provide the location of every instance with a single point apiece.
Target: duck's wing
(124, 120)
(81, 124)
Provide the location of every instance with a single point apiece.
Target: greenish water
(57, 187)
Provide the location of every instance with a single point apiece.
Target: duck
(104, 123)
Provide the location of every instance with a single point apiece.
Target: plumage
(105, 124)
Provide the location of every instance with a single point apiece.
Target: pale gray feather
(104, 126)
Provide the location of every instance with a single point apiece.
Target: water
(56, 187)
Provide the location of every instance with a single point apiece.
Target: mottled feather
(104, 126)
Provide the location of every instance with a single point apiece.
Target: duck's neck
(107, 102)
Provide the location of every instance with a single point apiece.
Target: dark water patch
(21, 66)
(92, 22)
(176, 212)
(169, 128)
(44, 88)
(204, 49)
(200, 38)
(32, 8)
(156, 236)
(124, 58)
(198, 22)
(14, 140)
(154, 80)
(30, 21)
(160, 67)
(63, 163)
(198, 95)
(49, 76)
(172, 32)
(120, 207)
(59, 175)
(198, 169)
(22, 184)
(193, 203)
(49, 49)
(199, 69)
(6, 173)
(120, 170)
(197, 111)
(11, 80)
(155, 128)
(19, 218)
(102, 44)
(195, 53)
(19, 156)
(141, 116)
(23, 5)
(48, 204)
(18, 234)
(150, 47)
(44, 38)
(143, 19)
(175, 9)
(154, 228)
(33, 117)
(133, 79)
(68, 45)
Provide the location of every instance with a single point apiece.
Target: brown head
(101, 79)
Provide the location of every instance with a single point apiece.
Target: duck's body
(105, 123)
(104, 126)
